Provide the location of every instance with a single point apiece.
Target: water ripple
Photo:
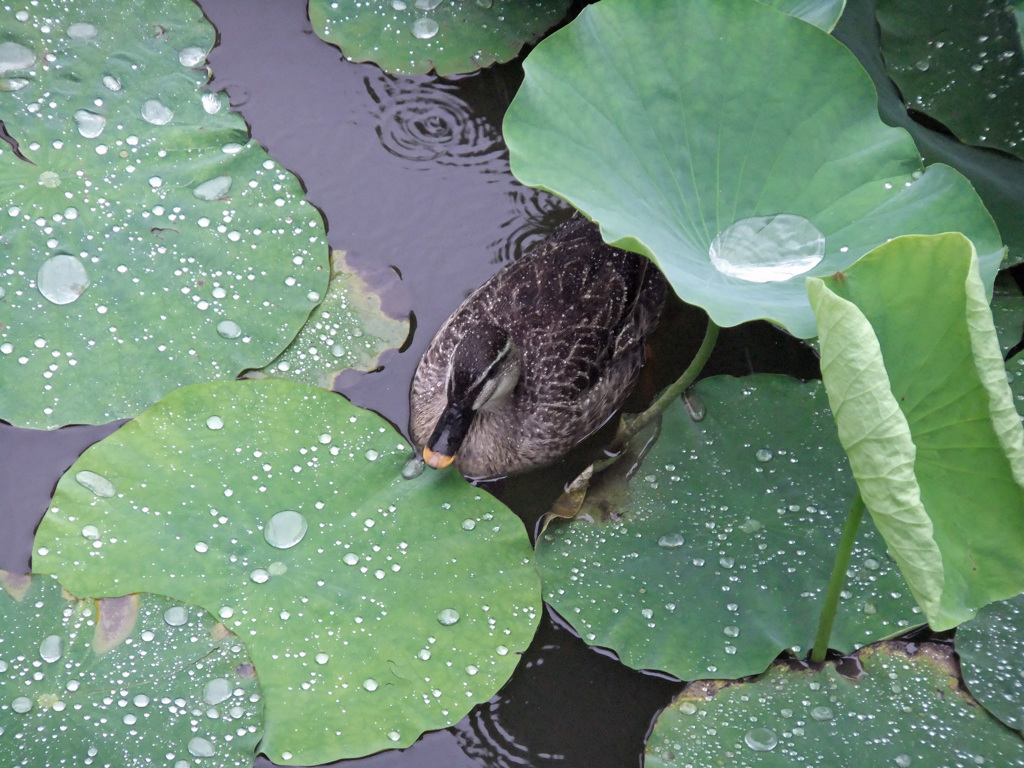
(534, 213)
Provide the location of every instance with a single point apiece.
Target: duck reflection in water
(537, 358)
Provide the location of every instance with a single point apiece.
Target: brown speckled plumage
(579, 312)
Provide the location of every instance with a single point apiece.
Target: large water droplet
(62, 279)
(90, 532)
(424, 28)
(761, 739)
(111, 83)
(215, 422)
(763, 455)
(370, 684)
(90, 125)
(448, 616)
(176, 616)
(52, 648)
(259, 576)
(671, 541)
(229, 329)
(49, 179)
(82, 31)
(285, 529)
(821, 714)
(21, 705)
(15, 56)
(216, 691)
(192, 56)
(98, 484)
(213, 189)
(200, 747)
(141, 700)
(153, 111)
(765, 249)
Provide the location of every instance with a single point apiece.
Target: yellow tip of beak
(436, 460)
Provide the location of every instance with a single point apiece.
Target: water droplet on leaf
(764, 249)
(285, 529)
(62, 279)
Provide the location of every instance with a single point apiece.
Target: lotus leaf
(349, 330)
(416, 36)
(888, 706)
(738, 147)
(375, 607)
(821, 13)
(911, 363)
(961, 64)
(991, 646)
(147, 243)
(134, 680)
(714, 557)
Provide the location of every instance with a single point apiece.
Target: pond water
(412, 177)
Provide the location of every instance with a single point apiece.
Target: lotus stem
(838, 580)
(627, 431)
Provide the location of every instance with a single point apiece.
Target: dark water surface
(412, 174)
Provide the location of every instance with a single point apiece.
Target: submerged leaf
(738, 147)
(147, 242)
(712, 559)
(890, 705)
(911, 363)
(169, 686)
(374, 607)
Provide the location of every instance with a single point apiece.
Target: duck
(538, 358)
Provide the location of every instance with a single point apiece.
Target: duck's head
(484, 369)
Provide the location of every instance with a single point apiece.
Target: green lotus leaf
(375, 607)
(715, 557)
(888, 706)
(134, 680)
(991, 646)
(916, 381)
(1008, 316)
(821, 13)
(349, 330)
(961, 64)
(738, 147)
(411, 37)
(147, 243)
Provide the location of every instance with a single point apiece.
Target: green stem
(628, 431)
(838, 580)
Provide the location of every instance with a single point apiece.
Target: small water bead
(688, 708)
(370, 684)
(447, 617)
(90, 125)
(424, 28)
(213, 189)
(764, 249)
(372, 455)
(90, 532)
(472, 669)
(761, 739)
(62, 279)
(285, 529)
(15, 56)
(82, 31)
(176, 616)
(141, 700)
(215, 422)
(156, 182)
(200, 747)
(732, 631)
(468, 524)
(671, 541)
(192, 56)
(424, 654)
(21, 705)
(51, 649)
(259, 576)
(202, 547)
(903, 761)
(394, 735)
(6, 347)
(350, 558)
(229, 329)
(98, 484)
(821, 714)
(216, 691)
(233, 148)
(155, 113)
(322, 658)
(501, 650)
(763, 455)
(111, 83)
(413, 468)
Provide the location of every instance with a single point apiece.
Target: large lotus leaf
(348, 330)
(374, 607)
(735, 145)
(146, 242)
(449, 36)
(915, 378)
(715, 557)
(991, 648)
(888, 706)
(135, 680)
(961, 64)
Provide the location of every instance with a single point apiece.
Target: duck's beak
(448, 435)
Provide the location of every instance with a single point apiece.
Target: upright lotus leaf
(914, 375)
(146, 242)
(411, 37)
(135, 680)
(375, 607)
(887, 706)
(737, 146)
(991, 649)
(349, 330)
(961, 64)
(715, 557)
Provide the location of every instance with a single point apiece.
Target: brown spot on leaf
(115, 620)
